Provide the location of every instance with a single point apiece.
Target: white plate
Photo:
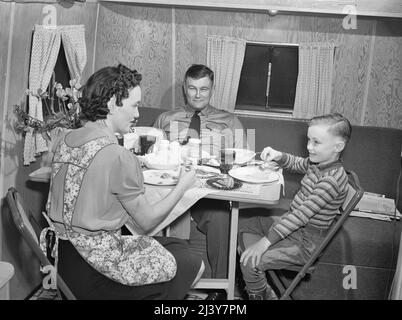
(254, 175)
(161, 177)
(205, 172)
(43, 174)
(242, 156)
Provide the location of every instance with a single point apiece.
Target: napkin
(190, 197)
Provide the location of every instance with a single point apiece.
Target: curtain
(314, 82)
(225, 57)
(73, 38)
(45, 50)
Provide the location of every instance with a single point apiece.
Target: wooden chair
(354, 195)
(24, 226)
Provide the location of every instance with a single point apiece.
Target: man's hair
(338, 125)
(198, 71)
(102, 86)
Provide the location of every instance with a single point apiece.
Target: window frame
(271, 111)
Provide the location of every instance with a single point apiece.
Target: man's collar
(190, 111)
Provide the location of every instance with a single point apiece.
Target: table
(269, 195)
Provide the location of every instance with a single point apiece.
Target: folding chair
(354, 195)
(23, 224)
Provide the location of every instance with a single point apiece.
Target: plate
(205, 172)
(161, 177)
(43, 174)
(254, 174)
(214, 183)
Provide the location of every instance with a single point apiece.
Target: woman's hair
(102, 86)
(338, 125)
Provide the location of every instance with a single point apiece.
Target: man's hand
(255, 251)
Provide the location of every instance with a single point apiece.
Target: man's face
(198, 92)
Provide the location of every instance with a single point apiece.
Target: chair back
(22, 222)
(355, 193)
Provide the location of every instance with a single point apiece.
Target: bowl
(242, 156)
(153, 161)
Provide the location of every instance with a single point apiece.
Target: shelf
(385, 8)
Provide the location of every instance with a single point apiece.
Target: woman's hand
(254, 252)
(187, 177)
(269, 154)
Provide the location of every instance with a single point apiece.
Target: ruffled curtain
(314, 82)
(73, 38)
(225, 57)
(45, 50)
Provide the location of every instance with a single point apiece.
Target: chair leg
(277, 282)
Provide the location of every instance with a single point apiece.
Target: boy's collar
(328, 166)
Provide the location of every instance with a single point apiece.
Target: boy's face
(322, 145)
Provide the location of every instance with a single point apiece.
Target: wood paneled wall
(367, 77)
(141, 38)
(14, 173)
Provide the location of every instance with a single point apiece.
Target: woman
(96, 187)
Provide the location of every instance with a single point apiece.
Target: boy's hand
(269, 154)
(254, 252)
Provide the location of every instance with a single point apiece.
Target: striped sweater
(323, 191)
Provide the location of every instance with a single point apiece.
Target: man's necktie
(195, 126)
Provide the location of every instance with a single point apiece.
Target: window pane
(253, 79)
(252, 92)
(284, 72)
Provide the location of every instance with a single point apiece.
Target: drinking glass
(146, 142)
(227, 160)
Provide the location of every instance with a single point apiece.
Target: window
(60, 75)
(268, 78)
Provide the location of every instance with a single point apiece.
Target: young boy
(268, 242)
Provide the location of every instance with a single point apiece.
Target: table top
(268, 194)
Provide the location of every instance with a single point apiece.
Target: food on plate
(166, 175)
(227, 182)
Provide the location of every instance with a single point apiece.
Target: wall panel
(5, 17)
(139, 37)
(15, 173)
(384, 102)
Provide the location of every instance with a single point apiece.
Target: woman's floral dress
(130, 260)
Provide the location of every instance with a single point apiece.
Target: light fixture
(272, 12)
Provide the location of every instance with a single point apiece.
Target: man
(217, 129)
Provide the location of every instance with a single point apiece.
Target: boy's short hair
(198, 71)
(339, 125)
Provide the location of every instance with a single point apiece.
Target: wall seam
(95, 37)
(366, 89)
(173, 58)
